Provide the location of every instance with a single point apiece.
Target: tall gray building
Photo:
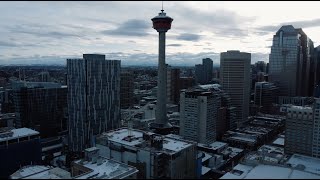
(299, 130)
(235, 80)
(204, 71)
(290, 62)
(316, 128)
(199, 114)
(265, 94)
(317, 66)
(93, 98)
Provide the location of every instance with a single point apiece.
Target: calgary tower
(162, 23)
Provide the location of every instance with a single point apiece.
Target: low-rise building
(154, 155)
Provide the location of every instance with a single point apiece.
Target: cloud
(189, 37)
(12, 44)
(222, 23)
(7, 44)
(175, 45)
(42, 31)
(133, 27)
(263, 30)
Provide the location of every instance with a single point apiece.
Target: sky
(44, 32)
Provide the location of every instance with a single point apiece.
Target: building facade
(198, 115)
(18, 147)
(290, 60)
(126, 90)
(204, 71)
(299, 130)
(41, 106)
(316, 128)
(265, 95)
(235, 80)
(93, 98)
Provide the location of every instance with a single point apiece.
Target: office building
(126, 90)
(299, 130)
(316, 128)
(290, 60)
(18, 147)
(41, 106)
(199, 114)
(204, 71)
(173, 85)
(317, 67)
(235, 80)
(154, 155)
(93, 98)
(265, 95)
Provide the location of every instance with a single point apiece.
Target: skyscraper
(93, 98)
(316, 128)
(204, 71)
(299, 130)
(317, 66)
(41, 106)
(126, 90)
(199, 114)
(264, 95)
(235, 80)
(290, 60)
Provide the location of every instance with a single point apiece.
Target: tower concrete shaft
(161, 113)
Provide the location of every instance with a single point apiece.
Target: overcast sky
(50, 32)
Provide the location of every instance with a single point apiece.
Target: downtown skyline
(51, 32)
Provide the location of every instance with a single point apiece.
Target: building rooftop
(16, 133)
(279, 141)
(121, 136)
(267, 172)
(106, 169)
(310, 164)
(40, 172)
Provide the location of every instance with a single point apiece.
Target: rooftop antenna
(162, 7)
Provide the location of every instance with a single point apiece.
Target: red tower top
(162, 23)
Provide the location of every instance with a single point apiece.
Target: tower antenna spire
(162, 7)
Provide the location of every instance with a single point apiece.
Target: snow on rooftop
(238, 172)
(279, 141)
(311, 164)
(108, 169)
(40, 172)
(204, 170)
(217, 145)
(19, 133)
(267, 172)
(171, 144)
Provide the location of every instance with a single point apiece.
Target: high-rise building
(204, 71)
(93, 99)
(208, 67)
(41, 106)
(126, 90)
(235, 80)
(316, 128)
(299, 130)
(290, 60)
(265, 95)
(317, 66)
(173, 84)
(198, 115)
